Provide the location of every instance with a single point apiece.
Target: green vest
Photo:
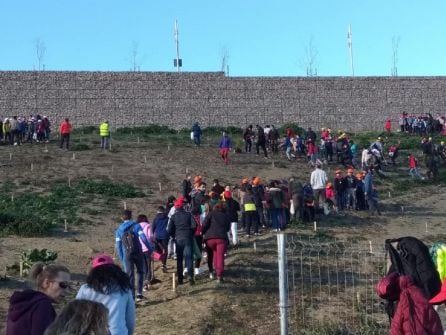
(103, 129)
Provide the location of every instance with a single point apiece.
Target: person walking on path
(196, 134)
(318, 180)
(129, 251)
(158, 232)
(31, 311)
(182, 226)
(104, 132)
(216, 226)
(64, 132)
(109, 285)
(225, 145)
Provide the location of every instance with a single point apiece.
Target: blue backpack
(307, 190)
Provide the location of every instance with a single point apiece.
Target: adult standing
(196, 134)
(232, 208)
(31, 311)
(182, 226)
(110, 286)
(261, 141)
(247, 138)
(297, 197)
(64, 132)
(104, 132)
(128, 247)
(318, 180)
(215, 229)
(186, 188)
(370, 194)
(258, 191)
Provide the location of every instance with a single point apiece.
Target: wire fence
(331, 287)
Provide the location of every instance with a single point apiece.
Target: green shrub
(109, 189)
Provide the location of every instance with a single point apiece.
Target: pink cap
(101, 260)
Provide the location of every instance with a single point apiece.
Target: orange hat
(329, 185)
(257, 181)
(350, 171)
(338, 171)
(245, 181)
(197, 179)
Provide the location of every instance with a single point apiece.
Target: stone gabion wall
(178, 99)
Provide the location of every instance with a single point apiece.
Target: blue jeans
(278, 218)
(130, 263)
(184, 252)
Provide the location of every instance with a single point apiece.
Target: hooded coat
(30, 313)
(413, 315)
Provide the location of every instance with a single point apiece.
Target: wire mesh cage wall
(332, 287)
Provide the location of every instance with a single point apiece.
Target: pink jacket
(146, 229)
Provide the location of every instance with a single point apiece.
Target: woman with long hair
(109, 285)
(81, 317)
(215, 230)
(31, 311)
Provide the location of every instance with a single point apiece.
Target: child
(147, 253)
(329, 199)
(160, 236)
(308, 203)
(413, 167)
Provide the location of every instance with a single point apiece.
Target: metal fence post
(283, 283)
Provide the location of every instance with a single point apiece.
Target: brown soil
(247, 303)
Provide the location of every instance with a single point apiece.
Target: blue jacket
(225, 143)
(197, 130)
(159, 227)
(137, 230)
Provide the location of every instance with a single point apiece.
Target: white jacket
(318, 179)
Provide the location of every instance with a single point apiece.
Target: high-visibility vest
(249, 207)
(103, 129)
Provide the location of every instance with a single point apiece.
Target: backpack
(307, 190)
(130, 241)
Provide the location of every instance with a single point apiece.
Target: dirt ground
(247, 303)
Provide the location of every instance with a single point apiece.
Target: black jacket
(232, 207)
(216, 225)
(186, 188)
(259, 194)
(181, 225)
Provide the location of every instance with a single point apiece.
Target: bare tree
(308, 63)
(40, 47)
(395, 46)
(224, 56)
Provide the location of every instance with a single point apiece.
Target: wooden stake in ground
(370, 245)
(66, 226)
(21, 269)
(426, 227)
(46, 148)
(255, 246)
(145, 159)
(32, 166)
(174, 283)
(12, 197)
(10, 156)
(159, 185)
(74, 156)
(125, 205)
(69, 181)
(315, 225)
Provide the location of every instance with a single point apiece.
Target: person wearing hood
(31, 311)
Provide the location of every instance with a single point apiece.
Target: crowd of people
(203, 223)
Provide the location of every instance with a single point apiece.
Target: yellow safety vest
(250, 207)
(103, 129)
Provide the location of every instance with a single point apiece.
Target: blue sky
(261, 38)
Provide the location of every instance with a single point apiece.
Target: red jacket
(413, 315)
(412, 162)
(65, 128)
